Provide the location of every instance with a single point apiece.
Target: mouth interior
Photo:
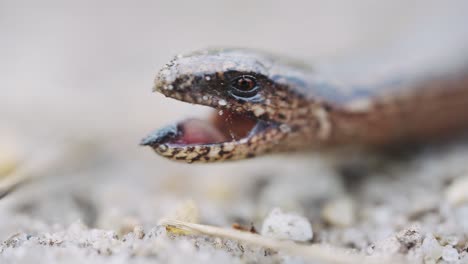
(222, 126)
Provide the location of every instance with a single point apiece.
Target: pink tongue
(197, 131)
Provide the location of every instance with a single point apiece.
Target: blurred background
(76, 98)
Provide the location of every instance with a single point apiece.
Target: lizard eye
(244, 86)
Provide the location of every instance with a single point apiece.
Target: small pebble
(126, 224)
(285, 128)
(286, 226)
(464, 258)
(450, 254)
(456, 193)
(410, 237)
(388, 246)
(431, 248)
(139, 232)
(339, 212)
(222, 102)
(450, 240)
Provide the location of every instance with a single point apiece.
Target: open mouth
(223, 126)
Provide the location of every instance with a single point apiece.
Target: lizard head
(257, 108)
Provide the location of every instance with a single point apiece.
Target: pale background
(82, 71)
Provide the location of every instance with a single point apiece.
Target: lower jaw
(227, 137)
(244, 148)
(233, 150)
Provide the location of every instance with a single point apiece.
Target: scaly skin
(299, 107)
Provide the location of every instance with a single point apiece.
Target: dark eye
(245, 83)
(244, 86)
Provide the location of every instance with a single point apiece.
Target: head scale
(246, 83)
(243, 81)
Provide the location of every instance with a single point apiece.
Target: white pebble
(464, 258)
(450, 254)
(339, 212)
(285, 128)
(291, 226)
(139, 232)
(222, 102)
(220, 112)
(450, 240)
(431, 248)
(207, 78)
(258, 110)
(456, 193)
(205, 98)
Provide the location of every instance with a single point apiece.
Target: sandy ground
(75, 99)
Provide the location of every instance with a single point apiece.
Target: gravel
(79, 100)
